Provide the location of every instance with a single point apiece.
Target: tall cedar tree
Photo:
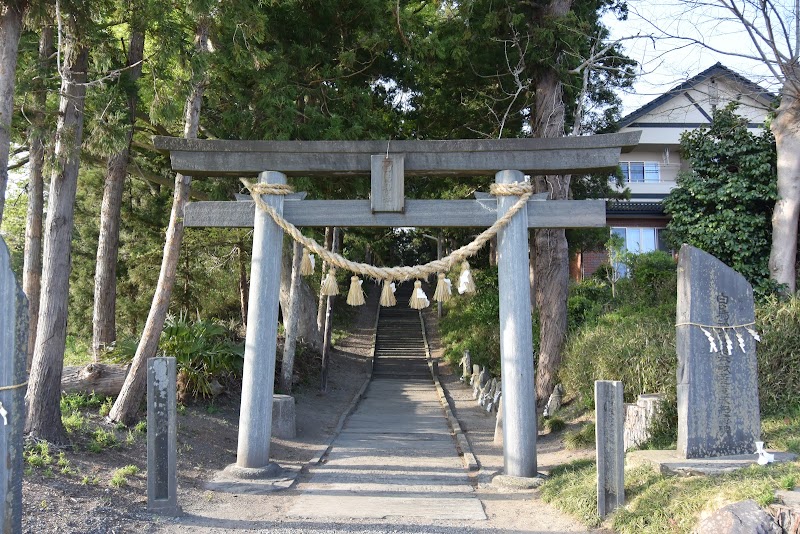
(44, 389)
(11, 15)
(127, 403)
(104, 330)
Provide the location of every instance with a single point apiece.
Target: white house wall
(686, 110)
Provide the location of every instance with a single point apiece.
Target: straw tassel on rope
(307, 263)
(329, 286)
(355, 297)
(465, 282)
(443, 291)
(419, 300)
(387, 295)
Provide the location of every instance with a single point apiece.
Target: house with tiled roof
(651, 169)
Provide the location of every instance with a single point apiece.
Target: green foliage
(120, 476)
(77, 351)
(554, 424)
(581, 438)
(37, 454)
(72, 402)
(629, 344)
(205, 350)
(778, 324)
(12, 229)
(472, 323)
(724, 204)
(664, 427)
(101, 440)
(630, 337)
(781, 431)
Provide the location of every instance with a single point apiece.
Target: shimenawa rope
(524, 191)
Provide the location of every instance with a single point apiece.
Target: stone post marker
(13, 354)
(609, 423)
(258, 379)
(516, 339)
(162, 437)
(718, 411)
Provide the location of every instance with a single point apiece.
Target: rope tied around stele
(391, 274)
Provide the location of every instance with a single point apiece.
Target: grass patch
(580, 439)
(120, 476)
(102, 439)
(74, 422)
(782, 432)
(660, 504)
(573, 489)
(72, 402)
(554, 424)
(77, 352)
(37, 454)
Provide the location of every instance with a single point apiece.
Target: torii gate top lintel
(460, 157)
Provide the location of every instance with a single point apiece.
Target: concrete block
(283, 417)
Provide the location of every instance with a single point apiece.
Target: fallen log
(100, 378)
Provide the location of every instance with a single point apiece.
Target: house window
(647, 172)
(641, 240)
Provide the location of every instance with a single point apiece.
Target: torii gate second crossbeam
(508, 159)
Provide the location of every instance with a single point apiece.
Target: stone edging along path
(325, 449)
(462, 443)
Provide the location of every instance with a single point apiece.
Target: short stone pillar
(283, 418)
(609, 421)
(466, 366)
(162, 438)
(13, 351)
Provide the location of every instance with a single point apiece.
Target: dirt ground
(75, 494)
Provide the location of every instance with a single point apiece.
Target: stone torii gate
(387, 164)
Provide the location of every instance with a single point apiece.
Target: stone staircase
(399, 345)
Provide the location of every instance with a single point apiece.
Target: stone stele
(718, 410)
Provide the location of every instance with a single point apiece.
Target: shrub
(636, 346)
(778, 323)
(206, 352)
(472, 323)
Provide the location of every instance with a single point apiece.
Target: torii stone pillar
(516, 338)
(255, 417)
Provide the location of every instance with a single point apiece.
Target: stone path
(395, 457)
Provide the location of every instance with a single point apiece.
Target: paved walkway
(395, 457)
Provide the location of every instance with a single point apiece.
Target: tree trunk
(104, 330)
(322, 300)
(98, 378)
(306, 322)
(532, 266)
(127, 404)
(551, 261)
(11, 15)
(244, 288)
(32, 261)
(786, 127)
(326, 334)
(290, 321)
(44, 392)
